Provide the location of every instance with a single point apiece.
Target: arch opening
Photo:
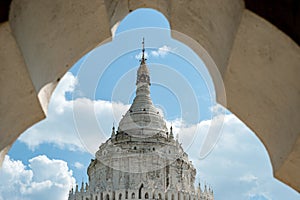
(140, 191)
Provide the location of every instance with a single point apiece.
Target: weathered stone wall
(19, 105)
(53, 35)
(262, 87)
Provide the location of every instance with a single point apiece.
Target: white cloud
(70, 125)
(238, 167)
(139, 56)
(42, 178)
(259, 197)
(58, 100)
(248, 178)
(78, 165)
(162, 51)
(217, 109)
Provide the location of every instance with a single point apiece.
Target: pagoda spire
(143, 52)
(142, 118)
(171, 132)
(143, 75)
(113, 133)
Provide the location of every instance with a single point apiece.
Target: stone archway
(250, 54)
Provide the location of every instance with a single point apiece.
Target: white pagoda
(142, 159)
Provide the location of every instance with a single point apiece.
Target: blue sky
(99, 88)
